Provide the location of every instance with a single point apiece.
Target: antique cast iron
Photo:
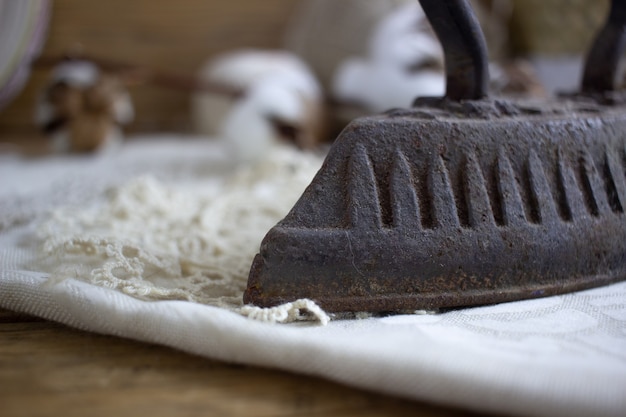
(462, 200)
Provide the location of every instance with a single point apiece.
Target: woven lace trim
(193, 241)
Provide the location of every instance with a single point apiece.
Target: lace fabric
(191, 240)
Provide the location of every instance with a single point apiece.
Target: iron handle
(464, 47)
(602, 69)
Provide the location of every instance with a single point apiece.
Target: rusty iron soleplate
(454, 204)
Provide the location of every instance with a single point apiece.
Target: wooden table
(49, 369)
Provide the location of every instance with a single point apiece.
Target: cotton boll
(382, 87)
(281, 100)
(76, 74)
(82, 108)
(246, 132)
(404, 61)
(237, 70)
(412, 50)
(403, 39)
(254, 123)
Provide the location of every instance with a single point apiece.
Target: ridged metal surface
(431, 208)
(462, 200)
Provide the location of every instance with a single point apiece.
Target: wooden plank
(47, 368)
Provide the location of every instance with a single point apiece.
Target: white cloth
(557, 356)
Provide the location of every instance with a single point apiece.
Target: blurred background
(182, 36)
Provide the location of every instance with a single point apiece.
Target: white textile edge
(362, 353)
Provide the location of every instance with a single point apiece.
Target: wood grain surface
(176, 36)
(48, 369)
